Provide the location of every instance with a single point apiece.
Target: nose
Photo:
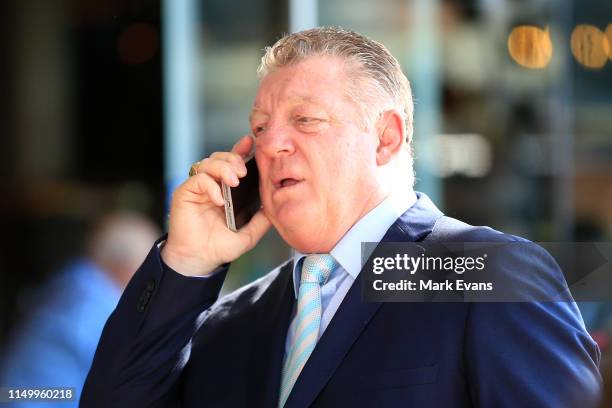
(275, 141)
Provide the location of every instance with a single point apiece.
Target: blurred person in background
(55, 344)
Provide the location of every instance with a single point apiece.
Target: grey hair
(380, 80)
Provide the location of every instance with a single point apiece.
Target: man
(55, 345)
(332, 126)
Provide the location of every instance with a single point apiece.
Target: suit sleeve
(146, 341)
(531, 354)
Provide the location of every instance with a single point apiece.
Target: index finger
(243, 146)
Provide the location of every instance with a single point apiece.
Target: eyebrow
(254, 111)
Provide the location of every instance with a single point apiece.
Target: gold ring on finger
(194, 169)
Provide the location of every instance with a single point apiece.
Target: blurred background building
(105, 104)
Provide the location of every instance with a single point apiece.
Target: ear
(391, 136)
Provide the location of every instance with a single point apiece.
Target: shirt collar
(369, 228)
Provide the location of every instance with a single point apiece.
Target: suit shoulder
(448, 229)
(520, 269)
(243, 299)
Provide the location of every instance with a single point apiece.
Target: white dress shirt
(347, 252)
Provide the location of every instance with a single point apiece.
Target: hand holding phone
(199, 239)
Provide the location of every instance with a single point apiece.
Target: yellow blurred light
(609, 37)
(590, 46)
(530, 46)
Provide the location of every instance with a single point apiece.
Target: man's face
(316, 160)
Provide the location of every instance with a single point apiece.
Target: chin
(299, 228)
(306, 243)
(291, 216)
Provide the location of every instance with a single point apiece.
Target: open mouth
(286, 182)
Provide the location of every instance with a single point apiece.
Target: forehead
(316, 80)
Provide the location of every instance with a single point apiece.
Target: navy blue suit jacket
(170, 342)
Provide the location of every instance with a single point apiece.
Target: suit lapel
(266, 357)
(353, 315)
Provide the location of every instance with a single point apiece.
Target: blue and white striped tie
(315, 271)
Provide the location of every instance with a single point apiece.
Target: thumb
(252, 232)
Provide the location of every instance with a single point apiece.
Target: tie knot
(317, 268)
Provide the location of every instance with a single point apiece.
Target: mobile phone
(242, 202)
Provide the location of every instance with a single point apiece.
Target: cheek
(350, 177)
(264, 184)
(265, 194)
(335, 184)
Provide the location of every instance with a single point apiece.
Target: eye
(305, 120)
(257, 130)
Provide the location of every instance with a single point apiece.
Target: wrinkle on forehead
(296, 82)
